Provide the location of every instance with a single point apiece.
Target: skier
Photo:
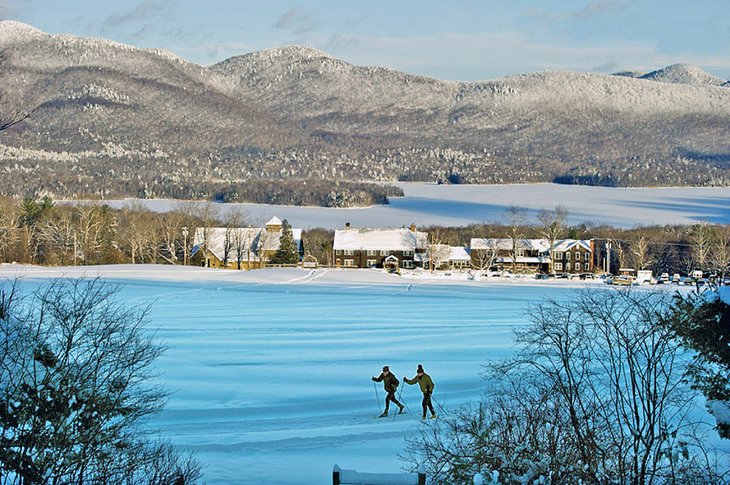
(390, 383)
(426, 384)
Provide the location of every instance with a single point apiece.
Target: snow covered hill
(114, 120)
(685, 74)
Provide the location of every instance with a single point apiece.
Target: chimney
(347, 225)
(413, 227)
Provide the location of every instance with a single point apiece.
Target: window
(338, 251)
(372, 262)
(558, 255)
(372, 252)
(349, 262)
(567, 265)
(558, 266)
(520, 253)
(577, 256)
(587, 256)
(408, 264)
(587, 267)
(407, 253)
(383, 252)
(348, 252)
(567, 256)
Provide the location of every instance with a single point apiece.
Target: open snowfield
(270, 370)
(461, 205)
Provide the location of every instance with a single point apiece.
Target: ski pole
(377, 396)
(400, 393)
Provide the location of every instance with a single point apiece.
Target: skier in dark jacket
(426, 384)
(390, 383)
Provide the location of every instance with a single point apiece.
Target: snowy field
(270, 370)
(460, 205)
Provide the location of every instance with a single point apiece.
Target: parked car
(676, 278)
(541, 276)
(686, 280)
(623, 280)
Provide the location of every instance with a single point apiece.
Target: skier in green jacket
(426, 384)
(390, 383)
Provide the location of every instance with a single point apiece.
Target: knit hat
(386, 368)
(420, 369)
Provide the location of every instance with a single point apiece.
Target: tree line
(39, 231)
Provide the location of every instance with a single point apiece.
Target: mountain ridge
(115, 120)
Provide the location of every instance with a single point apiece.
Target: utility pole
(185, 245)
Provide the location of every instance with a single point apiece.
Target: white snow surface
(685, 74)
(460, 205)
(270, 370)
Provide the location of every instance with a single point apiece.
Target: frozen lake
(271, 381)
(270, 370)
(461, 205)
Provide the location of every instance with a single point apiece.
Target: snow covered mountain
(685, 74)
(112, 119)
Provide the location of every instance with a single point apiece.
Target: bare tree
(619, 250)
(239, 237)
(12, 111)
(701, 240)
(318, 244)
(235, 238)
(75, 389)
(639, 253)
(720, 251)
(170, 227)
(553, 228)
(484, 258)
(208, 214)
(595, 394)
(139, 233)
(9, 229)
(438, 248)
(516, 219)
(95, 226)
(58, 236)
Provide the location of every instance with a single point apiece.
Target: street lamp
(185, 245)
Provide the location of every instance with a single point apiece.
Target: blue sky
(456, 40)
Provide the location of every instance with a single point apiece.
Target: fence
(352, 477)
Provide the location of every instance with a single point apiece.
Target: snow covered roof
(568, 244)
(380, 239)
(459, 253)
(540, 245)
(255, 239)
(274, 221)
(505, 244)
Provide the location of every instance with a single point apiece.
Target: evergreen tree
(76, 390)
(288, 253)
(703, 325)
